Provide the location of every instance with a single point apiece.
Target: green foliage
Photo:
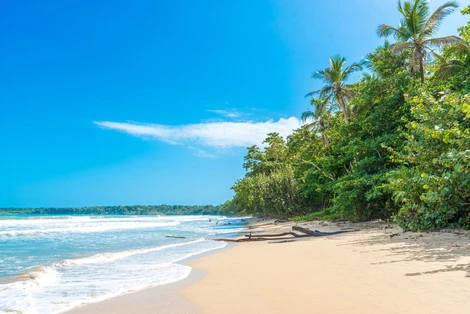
(464, 31)
(276, 194)
(257, 162)
(390, 145)
(433, 184)
(326, 214)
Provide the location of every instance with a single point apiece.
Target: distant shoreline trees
(121, 210)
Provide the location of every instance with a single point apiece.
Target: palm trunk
(343, 106)
(421, 68)
(323, 136)
(421, 63)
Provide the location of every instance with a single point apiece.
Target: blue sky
(152, 102)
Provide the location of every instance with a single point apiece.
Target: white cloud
(230, 113)
(213, 134)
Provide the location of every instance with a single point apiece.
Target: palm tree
(336, 90)
(319, 117)
(455, 60)
(416, 30)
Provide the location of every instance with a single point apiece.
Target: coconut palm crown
(416, 30)
(337, 91)
(319, 118)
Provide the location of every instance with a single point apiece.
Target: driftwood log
(282, 237)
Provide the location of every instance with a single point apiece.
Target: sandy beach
(376, 269)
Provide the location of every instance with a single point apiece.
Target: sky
(154, 102)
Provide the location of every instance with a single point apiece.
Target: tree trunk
(343, 106)
(421, 66)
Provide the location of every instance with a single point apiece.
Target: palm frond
(435, 21)
(400, 47)
(323, 75)
(307, 115)
(320, 105)
(450, 69)
(443, 41)
(313, 93)
(414, 18)
(459, 50)
(385, 30)
(439, 58)
(326, 92)
(356, 66)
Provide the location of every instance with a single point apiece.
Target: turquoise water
(50, 264)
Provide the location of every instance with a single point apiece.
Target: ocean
(51, 264)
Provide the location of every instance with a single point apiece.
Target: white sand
(348, 273)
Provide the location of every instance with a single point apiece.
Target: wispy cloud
(201, 152)
(212, 134)
(229, 113)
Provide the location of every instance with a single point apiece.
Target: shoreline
(377, 269)
(165, 298)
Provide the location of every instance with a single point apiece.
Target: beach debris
(303, 230)
(175, 237)
(282, 236)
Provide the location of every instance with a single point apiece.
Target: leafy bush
(433, 185)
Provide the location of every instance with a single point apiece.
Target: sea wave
(62, 286)
(88, 228)
(40, 276)
(113, 256)
(40, 220)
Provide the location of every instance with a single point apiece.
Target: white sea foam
(88, 228)
(39, 220)
(113, 256)
(40, 276)
(64, 285)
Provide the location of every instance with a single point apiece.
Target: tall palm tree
(416, 30)
(336, 90)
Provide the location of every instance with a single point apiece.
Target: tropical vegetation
(393, 145)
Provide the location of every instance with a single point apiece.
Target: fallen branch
(304, 230)
(320, 233)
(271, 235)
(281, 237)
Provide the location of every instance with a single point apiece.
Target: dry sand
(379, 269)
